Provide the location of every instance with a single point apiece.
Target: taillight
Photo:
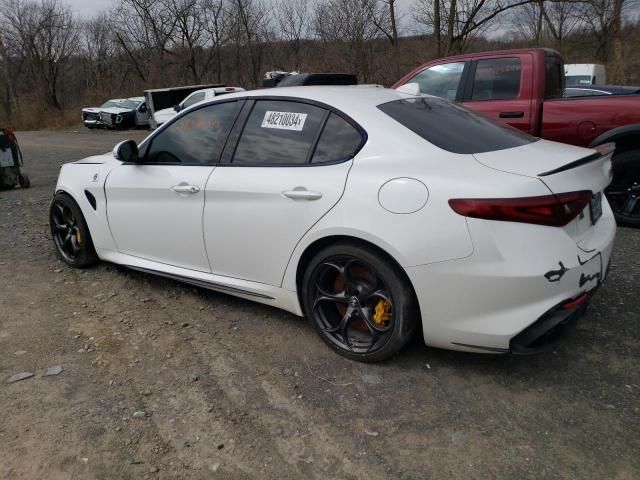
(552, 210)
(11, 137)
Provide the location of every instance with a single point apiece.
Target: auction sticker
(284, 120)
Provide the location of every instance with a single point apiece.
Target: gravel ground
(163, 380)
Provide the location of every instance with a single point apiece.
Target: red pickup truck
(525, 89)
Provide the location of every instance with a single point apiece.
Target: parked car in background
(162, 98)
(375, 214)
(91, 115)
(577, 74)
(129, 113)
(597, 90)
(162, 116)
(525, 89)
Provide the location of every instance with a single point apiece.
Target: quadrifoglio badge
(284, 120)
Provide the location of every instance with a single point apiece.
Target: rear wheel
(359, 302)
(624, 192)
(70, 232)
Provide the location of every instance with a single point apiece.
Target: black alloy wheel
(624, 192)
(70, 233)
(359, 302)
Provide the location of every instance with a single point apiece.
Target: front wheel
(359, 302)
(624, 192)
(70, 232)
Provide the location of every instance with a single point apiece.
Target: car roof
(352, 99)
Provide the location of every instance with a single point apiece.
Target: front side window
(193, 99)
(453, 128)
(279, 133)
(440, 80)
(497, 79)
(195, 138)
(339, 141)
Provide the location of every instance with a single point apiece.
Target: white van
(579, 74)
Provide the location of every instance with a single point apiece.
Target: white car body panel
(274, 223)
(478, 282)
(165, 222)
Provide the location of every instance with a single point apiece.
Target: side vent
(91, 198)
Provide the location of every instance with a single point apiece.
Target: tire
(70, 232)
(624, 192)
(360, 303)
(24, 181)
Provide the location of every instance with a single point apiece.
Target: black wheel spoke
(340, 297)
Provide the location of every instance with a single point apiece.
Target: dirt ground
(163, 380)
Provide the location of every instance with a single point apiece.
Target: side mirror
(177, 108)
(127, 151)
(143, 109)
(410, 88)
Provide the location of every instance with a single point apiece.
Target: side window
(440, 80)
(195, 138)
(193, 99)
(497, 79)
(554, 86)
(279, 133)
(339, 141)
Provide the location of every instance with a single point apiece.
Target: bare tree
(100, 51)
(45, 35)
(144, 30)
(454, 23)
(348, 22)
(293, 19)
(249, 35)
(216, 18)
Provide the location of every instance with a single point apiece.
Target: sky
(88, 8)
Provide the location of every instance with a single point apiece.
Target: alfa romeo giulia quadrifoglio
(374, 213)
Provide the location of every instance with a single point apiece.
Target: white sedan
(374, 213)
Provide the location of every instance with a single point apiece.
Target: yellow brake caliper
(382, 313)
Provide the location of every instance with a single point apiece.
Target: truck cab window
(497, 79)
(440, 80)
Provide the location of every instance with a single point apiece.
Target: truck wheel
(24, 181)
(624, 192)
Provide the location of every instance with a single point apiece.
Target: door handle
(511, 114)
(301, 193)
(184, 188)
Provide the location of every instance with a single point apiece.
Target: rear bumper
(508, 295)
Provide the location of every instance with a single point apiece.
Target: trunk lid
(562, 168)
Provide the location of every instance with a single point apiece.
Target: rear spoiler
(602, 151)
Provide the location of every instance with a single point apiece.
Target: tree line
(53, 62)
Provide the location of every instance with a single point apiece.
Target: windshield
(129, 104)
(453, 128)
(110, 103)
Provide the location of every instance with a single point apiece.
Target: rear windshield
(453, 128)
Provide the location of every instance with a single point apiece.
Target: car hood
(95, 159)
(91, 110)
(116, 110)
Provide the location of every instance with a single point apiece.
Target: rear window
(554, 86)
(453, 128)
